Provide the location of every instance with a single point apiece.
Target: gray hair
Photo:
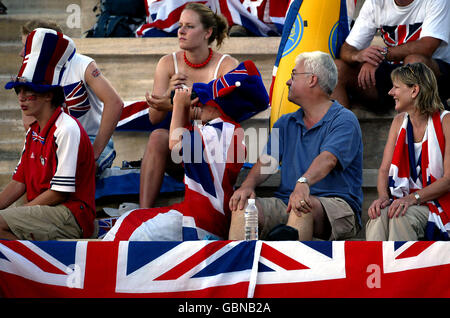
(322, 65)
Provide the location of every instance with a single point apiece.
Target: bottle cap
(251, 201)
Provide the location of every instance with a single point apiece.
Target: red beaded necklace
(200, 65)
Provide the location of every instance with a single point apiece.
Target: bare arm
(371, 54)
(159, 100)
(180, 116)
(49, 197)
(383, 172)
(112, 110)
(441, 185)
(424, 46)
(320, 167)
(13, 191)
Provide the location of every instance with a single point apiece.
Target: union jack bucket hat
(239, 94)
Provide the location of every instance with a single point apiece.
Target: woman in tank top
(195, 62)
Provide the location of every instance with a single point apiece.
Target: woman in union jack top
(414, 177)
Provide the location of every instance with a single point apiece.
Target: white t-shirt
(81, 101)
(399, 25)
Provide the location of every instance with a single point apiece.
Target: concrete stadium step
(9, 53)
(38, 6)
(11, 23)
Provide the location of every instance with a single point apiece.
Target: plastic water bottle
(251, 221)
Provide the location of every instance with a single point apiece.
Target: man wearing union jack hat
(57, 169)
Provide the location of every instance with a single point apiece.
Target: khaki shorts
(339, 213)
(408, 227)
(42, 222)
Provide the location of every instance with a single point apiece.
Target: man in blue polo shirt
(319, 148)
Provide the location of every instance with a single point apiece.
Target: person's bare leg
(348, 83)
(237, 224)
(340, 92)
(153, 167)
(312, 224)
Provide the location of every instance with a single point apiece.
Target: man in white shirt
(412, 31)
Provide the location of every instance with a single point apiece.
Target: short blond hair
(428, 100)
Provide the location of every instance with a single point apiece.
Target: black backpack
(118, 18)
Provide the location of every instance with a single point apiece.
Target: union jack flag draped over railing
(406, 175)
(259, 17)
(224, 269)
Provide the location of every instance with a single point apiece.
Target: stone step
(11, 23)
(9, 51)
(38, 6)
(10, 112)
(5, 178)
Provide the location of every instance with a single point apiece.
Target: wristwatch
(303, 180)
(417, 196)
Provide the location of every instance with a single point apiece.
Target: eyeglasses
(293, 73)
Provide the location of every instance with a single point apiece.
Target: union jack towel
(407, 176)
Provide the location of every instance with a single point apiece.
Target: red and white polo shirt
(61, 158)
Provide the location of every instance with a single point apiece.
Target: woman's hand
(158, 102)
(176, 81)
(399, 206)
(376, 206)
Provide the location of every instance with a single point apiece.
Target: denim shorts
(106, 157)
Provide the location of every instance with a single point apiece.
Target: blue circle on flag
(332, 40)
(295, 36)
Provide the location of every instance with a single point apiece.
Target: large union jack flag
(225, 269)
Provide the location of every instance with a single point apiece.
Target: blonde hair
(210, 19)
(427, 101)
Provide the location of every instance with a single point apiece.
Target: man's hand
(371, 55)
(366, 76)
(299, 200)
